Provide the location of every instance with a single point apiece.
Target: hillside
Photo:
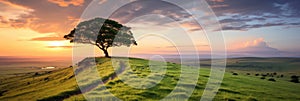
(61, 84)
(276, 64)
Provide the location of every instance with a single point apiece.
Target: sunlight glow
(56, 43)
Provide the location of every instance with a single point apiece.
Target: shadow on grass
(62, 96)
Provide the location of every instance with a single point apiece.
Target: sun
(56, 44)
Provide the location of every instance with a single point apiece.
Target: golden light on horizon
(56, 43)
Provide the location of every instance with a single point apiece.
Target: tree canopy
(103, 33)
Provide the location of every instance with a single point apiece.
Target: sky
(262, 28)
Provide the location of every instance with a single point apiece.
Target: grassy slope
(252, 87)
(61, 83)
(31, 86)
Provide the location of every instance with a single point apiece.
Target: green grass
(61, 84)
(33, 87)
(252, 87)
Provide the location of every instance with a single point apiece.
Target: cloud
(45, 17)
(247, 19)
(59, 46)
(60, 16)
(13, 11)
(250, 14)
(145, 7)
(246, 7)
(102, 1)
(66, 3)
(49, 38)
(191, 25)
(10, 11)
(163, 9)
(216, 0)
(246, 27)
(258, 44)
(256, 47)
(233, 14)
(218, 6)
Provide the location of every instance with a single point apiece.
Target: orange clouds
(217, 0)
(102, 1)
(259, 42)
(14, 43)
(256, 42)
(40, 15)
(11, 12)
(256, 46)
(191, 26)
(47, 39)
(66, 3)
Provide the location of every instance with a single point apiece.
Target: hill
(276, 64)
(61, 84)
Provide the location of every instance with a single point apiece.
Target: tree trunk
(106, 53)
(104, 50)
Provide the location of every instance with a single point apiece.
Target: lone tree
(110, 34)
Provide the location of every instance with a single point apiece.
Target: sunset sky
(250, 27)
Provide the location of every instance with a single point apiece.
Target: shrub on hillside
(264, 74)
(256, 74)
(46, 79)
(248, 73)
(295, 79)
(1, 92)
(272, 79)
(36, 74)
(235, 74)
(263, 77)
